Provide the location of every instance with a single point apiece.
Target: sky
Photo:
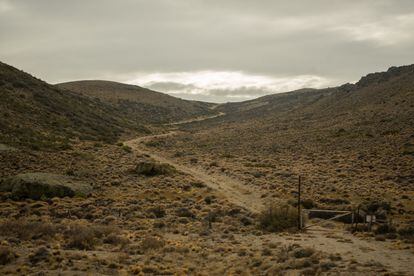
(210, 50)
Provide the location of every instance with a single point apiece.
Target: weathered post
(299, 213)
(357, 219)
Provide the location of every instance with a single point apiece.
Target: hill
(39, 115)
(352, 143)
(140, 104)
(380, 91)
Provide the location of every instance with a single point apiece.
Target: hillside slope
(389, 92)
(39, 115)
(139, 103)
(351, 143)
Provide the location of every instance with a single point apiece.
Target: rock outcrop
(43, 185)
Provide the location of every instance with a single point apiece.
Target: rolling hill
(140, 104)
(381, 91)
(38, 115)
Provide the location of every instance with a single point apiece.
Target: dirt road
(199, 119)
(234, 191)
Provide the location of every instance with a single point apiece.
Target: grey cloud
(243, 92)
(170, 86)
(66, 40)
(211, 95)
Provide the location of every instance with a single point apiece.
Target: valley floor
(189, 222)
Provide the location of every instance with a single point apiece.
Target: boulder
(43, 185)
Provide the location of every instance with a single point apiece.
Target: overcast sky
(215, 50)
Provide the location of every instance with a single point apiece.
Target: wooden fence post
(299, 213)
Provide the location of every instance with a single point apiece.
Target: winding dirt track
(234, 191)
(199, 119)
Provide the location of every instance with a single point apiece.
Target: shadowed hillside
(42, 116)
(139, 103)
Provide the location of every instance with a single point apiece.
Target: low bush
(303, 252)
(374, 206)
(27, 230)
(41, 254)
(157, 211)
(276, 218)
(7, 255)
(127, 148)
(308, 203)
(385, 229)
(151, 243)
(86, 237)
(151, 168)
(407, 231)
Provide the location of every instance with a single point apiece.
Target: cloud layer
(222, 86)
(263, 46)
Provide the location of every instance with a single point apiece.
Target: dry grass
(151, 243)
(27, 230)
(86, 237)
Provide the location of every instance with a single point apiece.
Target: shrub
(150, 243)
(385, 229)
(127, 148)
(276, 218)
(184, 213)
(407, 231)
(86, 237)
(116, 240)
(157, 211)
(303, 252)
(81, 237)
(6, 255)
(27, 230)
(376, 205)
(308, 203)
(150, 168)
(42, 254)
